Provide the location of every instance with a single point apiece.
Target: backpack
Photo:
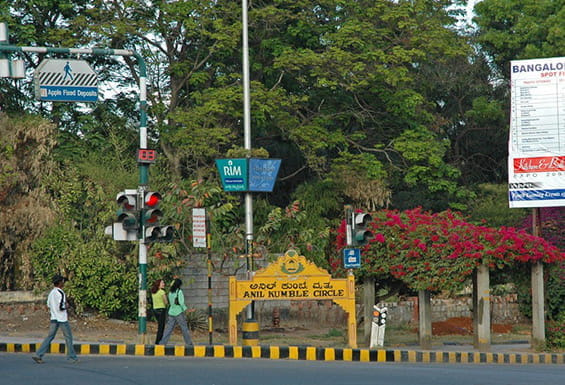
(62, 303)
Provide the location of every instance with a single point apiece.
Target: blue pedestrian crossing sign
(351, 258)
(65, 80)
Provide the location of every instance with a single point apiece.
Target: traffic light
(151, 217)
(360, 233)
(151, 212)
(379, 316)
(159, 234)
(127, 226)
(128, 214)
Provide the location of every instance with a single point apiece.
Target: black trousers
(161, 316)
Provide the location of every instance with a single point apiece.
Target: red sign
(146, 156)
(539, 164)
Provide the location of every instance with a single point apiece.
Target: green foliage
(238, 152)
(97, 280)
(520, 29)
(197, 320)
(441, 251)
(491, 207)
(555, 332)
(335, 333)
(373, 103)
(294, 228)
(25, 165)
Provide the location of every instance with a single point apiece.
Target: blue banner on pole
(263, 174)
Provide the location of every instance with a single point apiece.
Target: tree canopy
(382, 104)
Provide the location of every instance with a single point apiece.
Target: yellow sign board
(292, 277)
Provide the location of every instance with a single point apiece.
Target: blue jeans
(181, 321)
(53, 327)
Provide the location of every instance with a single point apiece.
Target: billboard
(536, 146)
(248, 174)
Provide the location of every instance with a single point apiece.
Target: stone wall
(292, 313)
(504, 309)
(21, 304)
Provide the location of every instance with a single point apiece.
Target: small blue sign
(263, 173)
(351, 258)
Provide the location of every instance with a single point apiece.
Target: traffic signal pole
(6, 49)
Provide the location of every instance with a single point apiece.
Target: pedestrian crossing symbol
(65, 80)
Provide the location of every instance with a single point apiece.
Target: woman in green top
(160, 302)
(176, 314)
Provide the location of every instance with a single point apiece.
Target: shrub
(555, 332)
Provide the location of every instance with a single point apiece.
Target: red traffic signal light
(152, 199)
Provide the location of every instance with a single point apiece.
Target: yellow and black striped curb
(297, 353)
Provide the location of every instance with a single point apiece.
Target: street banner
(536, 147)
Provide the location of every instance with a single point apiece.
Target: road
(18, 368)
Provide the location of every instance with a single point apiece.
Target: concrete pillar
(368, 302)
(538, 313)
(425, 319)
(483, 309)
(475, 305)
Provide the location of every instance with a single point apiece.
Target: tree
(27, 144)
(519, 29)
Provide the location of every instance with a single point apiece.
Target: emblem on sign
(291, 265)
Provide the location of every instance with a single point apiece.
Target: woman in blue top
(176, 314)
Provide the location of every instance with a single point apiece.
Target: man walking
(57, 303)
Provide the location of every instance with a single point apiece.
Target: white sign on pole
(199, 227)
(65, 80)
(536, 147)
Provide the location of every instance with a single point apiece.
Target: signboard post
(62, 80)
(248, 174)
(351, 258)
(536, 147)
(198, 227)
(233, 173)
(263, 173)
(292, 277)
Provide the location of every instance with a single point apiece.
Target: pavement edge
(309, 353)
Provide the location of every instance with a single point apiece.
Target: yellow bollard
(250, 333)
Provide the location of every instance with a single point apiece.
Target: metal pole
(143, 168)
(143, 185)
(209, 265)
(247, 146)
